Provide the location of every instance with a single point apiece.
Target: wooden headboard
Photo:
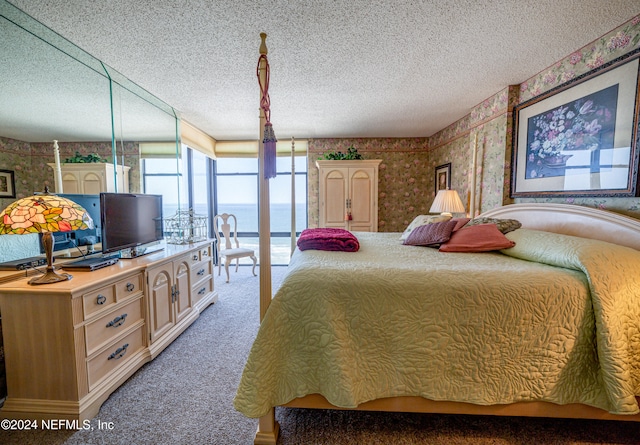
(573, 220)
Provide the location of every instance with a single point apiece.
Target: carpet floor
(184, 397)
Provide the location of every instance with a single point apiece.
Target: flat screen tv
(129, 220)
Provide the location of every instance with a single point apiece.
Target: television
(129, 221)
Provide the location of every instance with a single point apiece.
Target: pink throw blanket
(328, 239)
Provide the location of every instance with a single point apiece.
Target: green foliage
(351, 154)
(80, 159)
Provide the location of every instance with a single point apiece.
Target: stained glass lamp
(44, 213)
(447, 202)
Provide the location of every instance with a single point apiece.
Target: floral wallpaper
(29, 163)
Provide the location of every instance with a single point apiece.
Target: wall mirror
(53, 90)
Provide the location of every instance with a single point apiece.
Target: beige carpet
(185, 397)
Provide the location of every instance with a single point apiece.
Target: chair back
(228, 234)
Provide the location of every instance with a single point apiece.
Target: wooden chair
(228, 251)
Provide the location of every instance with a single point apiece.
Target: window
(163, 176)
(230, 185)
(237, 193)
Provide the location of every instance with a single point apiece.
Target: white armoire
(348, 194)
(93, 178)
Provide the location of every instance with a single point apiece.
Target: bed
(548, 328)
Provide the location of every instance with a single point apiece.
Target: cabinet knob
(130, 287)
(195, 257)
(101, 299)
(200, 272)
(120, 352)
(202, 291)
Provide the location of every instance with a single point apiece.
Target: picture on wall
(443, 177)
(7, 184)
(580, 138)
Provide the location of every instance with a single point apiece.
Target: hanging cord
(265, 101)
(269, 139)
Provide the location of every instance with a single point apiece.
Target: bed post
(267, 433)
(293, 195)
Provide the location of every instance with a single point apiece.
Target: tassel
(269, 151)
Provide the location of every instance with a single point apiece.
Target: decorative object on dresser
(185, 227)
(580, 138)
(44, 213)
(349, 194)
(447, 202)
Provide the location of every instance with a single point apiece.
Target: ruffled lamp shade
(44, 213)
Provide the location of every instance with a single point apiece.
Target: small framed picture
(443, 177)
(7, 184)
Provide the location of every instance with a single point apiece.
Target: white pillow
(421, 220)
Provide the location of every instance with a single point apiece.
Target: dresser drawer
(206, 253)
(99, 300)
(129, 286)
(201, 270)
(201, 289)
(101, 331)
(119, 353)
(201, 254)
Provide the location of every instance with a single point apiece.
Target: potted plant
(351, 154)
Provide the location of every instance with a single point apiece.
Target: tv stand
(69, 345)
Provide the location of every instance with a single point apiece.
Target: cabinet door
(182, 287)
(333, 197)
(161, 307)
(362, 197)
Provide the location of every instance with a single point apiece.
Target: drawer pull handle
(202, 291)
(195, 257)
(120, 352)
(101, 299)
(130, 287)
(118, 321)
(201, 272)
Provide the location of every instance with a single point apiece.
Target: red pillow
(460, 223)
(478, 238)
(430, 234)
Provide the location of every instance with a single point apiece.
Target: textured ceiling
(342, 68)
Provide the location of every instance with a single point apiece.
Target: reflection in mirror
(53, 90)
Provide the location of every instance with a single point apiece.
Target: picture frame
(580, 138)
(7, 184)
(443, 177)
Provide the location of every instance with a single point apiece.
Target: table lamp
(447, 202)
(44, 213)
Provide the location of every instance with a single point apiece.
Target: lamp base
(50, 276)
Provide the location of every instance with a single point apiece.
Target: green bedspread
(555, 318)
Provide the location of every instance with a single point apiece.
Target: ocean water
(280, 216)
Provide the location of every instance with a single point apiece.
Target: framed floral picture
(7, 184)
(580, 138)
(443, 177)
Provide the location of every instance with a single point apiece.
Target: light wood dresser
(69, 345)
